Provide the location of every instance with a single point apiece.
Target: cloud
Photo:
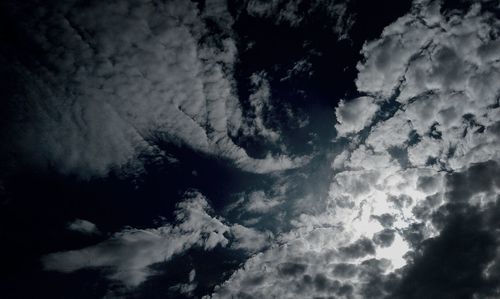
(384, 238)
(416, 192)
(259, 202)
(128, 254)
(467, 247)
(115, 77)
(83, 226)
(186, 288)
(297, 13)
(414, 188)
(360, 248)
(249, 239)
(354, 115)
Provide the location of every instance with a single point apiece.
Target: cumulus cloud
(354, 115)
(418, 189)
(467, 244)
(117, 76)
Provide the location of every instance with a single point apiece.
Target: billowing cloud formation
(354, 115)
(418, 191)
(129, 253)
(118, 76)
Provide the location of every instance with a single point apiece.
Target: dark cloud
(345, 270)
(359, 248)
(427, 183)
(401, 201)
(425, 208)
(384, 238)
(479, 178)
(376, 283)
(414, 234)
(291, 269)
(386, 220)
(453, 264)
(457, 263)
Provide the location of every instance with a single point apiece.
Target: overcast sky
(250, 149)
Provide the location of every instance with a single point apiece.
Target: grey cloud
(129, 253)
(452, 265)
(291, 269)
(136, 70)
(297, 12)
(259, 202)
(358, 249)
(249, 239)
(323, 284)
(415, 234)
(424, 209)
(186, 288)
(438, 71)
(401, 201)
(345, 270)
(467, 244)
(428, 184)
(83, 226)
(479, 178)
(254, 124)
(386, 219)
(300, 67)
(384, 238)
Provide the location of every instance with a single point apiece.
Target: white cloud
(354, 115)
(393, 132)
(438, 146)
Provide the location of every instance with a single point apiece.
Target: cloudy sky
(250, 149)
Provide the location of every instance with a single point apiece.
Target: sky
(250, 149)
